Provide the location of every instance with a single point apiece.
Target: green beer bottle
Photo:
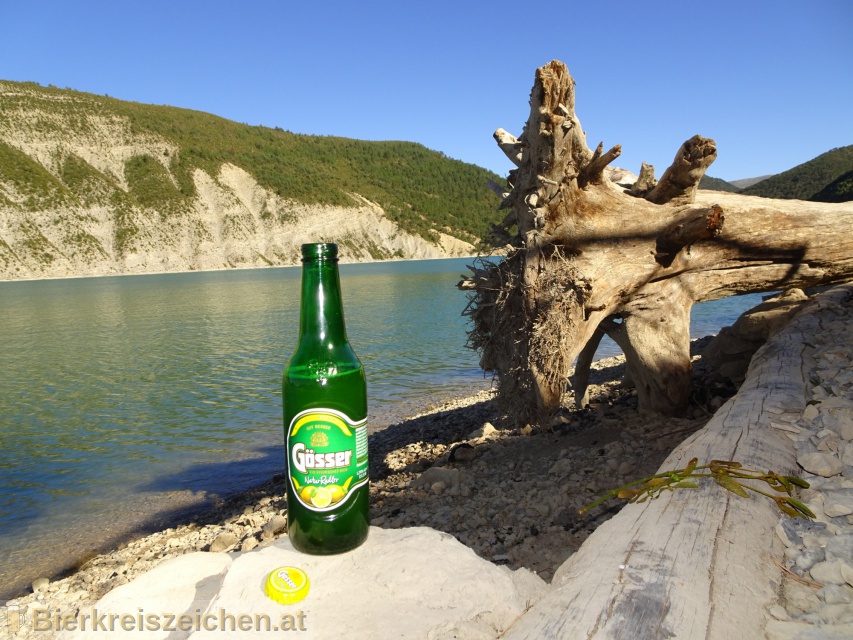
(325, 418)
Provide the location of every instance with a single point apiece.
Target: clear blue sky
(770, 81)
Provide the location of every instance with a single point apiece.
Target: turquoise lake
(126, 399)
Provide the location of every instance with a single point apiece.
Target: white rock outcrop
(404, 583)
(233, 223)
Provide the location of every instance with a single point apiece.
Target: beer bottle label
(327, 457)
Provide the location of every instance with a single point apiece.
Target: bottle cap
(287, 585)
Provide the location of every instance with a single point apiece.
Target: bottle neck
(321, 319)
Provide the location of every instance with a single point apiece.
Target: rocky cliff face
(71, 205)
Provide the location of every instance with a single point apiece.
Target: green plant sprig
(727, 474)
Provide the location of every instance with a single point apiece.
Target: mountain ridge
(743, 183)
(827, 177)
(808, 179)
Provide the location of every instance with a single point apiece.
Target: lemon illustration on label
(322, 497)
(307, 493)
(337, 492)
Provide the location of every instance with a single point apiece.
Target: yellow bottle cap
(287, 585)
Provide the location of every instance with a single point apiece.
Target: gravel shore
(510, 494)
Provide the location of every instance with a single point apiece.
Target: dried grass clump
(517, 343)
(553, 332)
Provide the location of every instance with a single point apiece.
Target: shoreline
(591, 441)
(231, 269)
(144, 514)
(216, 508)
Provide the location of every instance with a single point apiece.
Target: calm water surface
(125, 399)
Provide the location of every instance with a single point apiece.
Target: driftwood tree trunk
(591, 257)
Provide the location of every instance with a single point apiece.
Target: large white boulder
(402, 583)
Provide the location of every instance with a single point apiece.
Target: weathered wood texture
(588, 255)
(696, 563)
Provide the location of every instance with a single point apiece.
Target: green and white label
(327, 456)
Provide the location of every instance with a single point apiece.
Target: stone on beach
(223, 542)
(820, 463)
(828, 572)
(433, 475)
(40, 584)
(276, 524)
(838, 503)
(485, 432)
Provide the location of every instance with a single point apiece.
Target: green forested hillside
(809, 180)
(839, 190)
(420, 189)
